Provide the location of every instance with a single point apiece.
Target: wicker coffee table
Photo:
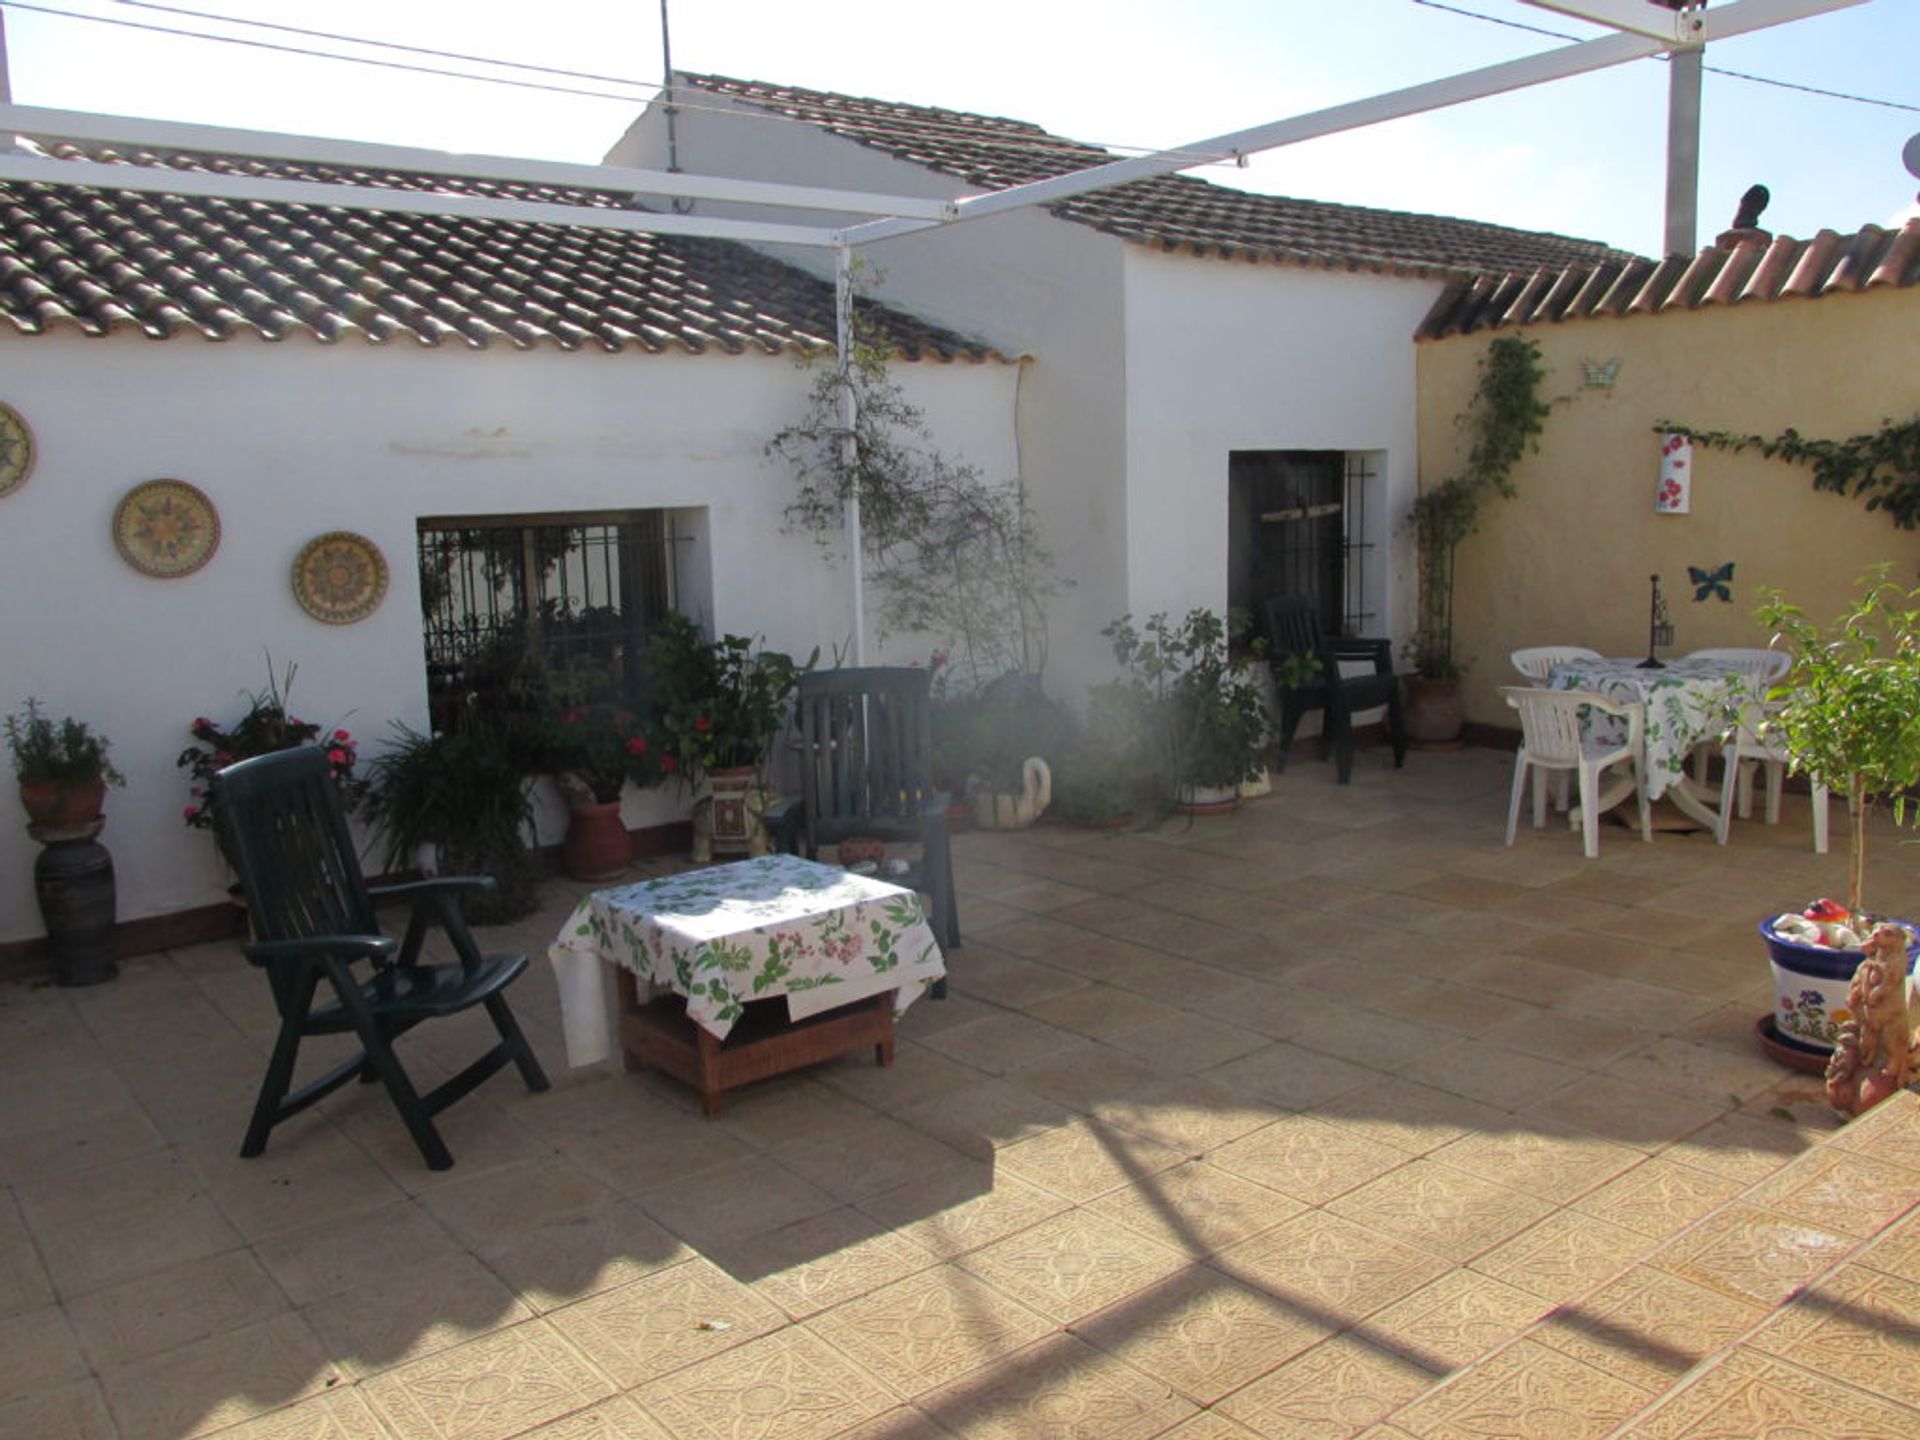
(766, 965)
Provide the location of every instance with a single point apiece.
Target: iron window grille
(506, 599)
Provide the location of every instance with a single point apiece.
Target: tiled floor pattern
(1333, 1117)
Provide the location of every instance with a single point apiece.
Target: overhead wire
(25, 5)
(1039, 142)
(1711, 69)
(919, 132)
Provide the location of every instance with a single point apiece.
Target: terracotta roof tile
(1755, 268)
(1174, 212)
(100, 261)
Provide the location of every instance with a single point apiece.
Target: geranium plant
(593, 750)
(266, 726)
(718, 703)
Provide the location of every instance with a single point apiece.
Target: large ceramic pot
(1433, 717)
(597, 845)
(1810, 986)
(727, 806)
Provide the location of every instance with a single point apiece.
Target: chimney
(1745, 229)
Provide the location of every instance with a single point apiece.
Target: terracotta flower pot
(62, 804)
(1207, 799)
(597, 845)
(1434, 718)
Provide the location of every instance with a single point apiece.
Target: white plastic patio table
(1686, 702)
(722, 936)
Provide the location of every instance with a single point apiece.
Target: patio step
(1796, 1304)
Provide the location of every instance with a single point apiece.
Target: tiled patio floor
(1262, 1126)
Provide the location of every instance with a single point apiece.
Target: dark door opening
(1290, 530)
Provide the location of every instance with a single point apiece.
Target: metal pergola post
(844, 341)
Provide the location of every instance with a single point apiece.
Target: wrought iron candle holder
(1659, 628)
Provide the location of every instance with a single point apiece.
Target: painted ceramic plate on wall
(166, 528)
(340, 578)
(16, 450)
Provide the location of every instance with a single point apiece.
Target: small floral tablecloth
(1687, 701)
(779, 925)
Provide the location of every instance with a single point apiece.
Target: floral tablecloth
(1687, 701)
(779, 925)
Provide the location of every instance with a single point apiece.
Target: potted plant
(463, 792)
(62, 767)
(1847, 714)
(1503, 419)
(592, 752)
(63, 770)
(718, 705)
(1100, 787)
(266, 726)
(1204, 712)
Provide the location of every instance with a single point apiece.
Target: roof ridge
(1755, 267)
(1167, 211)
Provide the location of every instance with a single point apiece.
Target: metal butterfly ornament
(1708, 583)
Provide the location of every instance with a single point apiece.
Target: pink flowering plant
(267, 726)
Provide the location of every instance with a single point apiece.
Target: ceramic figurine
(1873, 1053)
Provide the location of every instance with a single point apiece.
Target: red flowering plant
(267, 726)
(594, 749)
(718, 704)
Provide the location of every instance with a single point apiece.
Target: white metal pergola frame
(1644, 28)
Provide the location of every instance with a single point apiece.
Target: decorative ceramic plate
(16, 450)
(340, 578)
(166, 528)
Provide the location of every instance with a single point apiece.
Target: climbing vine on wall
(1882, 466)
(1504, 420)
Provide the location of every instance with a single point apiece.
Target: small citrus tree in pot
(1201, 706)
(1848, 716)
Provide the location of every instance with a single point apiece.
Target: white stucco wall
(1024, 283)
(293, 439)
(1233, 356)
(1146, 369)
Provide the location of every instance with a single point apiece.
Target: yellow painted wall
(1566, 561)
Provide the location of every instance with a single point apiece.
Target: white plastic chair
(1745, 749)
(1537, 663)
(1765, 668)
(1552, 740)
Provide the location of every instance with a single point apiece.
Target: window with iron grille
(507, 598)
(1296, 526)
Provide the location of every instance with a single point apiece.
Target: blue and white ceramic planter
(1810, 985)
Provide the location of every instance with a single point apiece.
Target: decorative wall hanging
(166, 528)
(340, 577)
(1599, 374)
(1712, 582)
(16, 450)
(1675, 495)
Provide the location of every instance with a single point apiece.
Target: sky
(1582, 157)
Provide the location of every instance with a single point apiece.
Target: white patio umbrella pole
(849, 453)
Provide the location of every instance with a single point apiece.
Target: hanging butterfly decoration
(1709, 583)
(1599, 374)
